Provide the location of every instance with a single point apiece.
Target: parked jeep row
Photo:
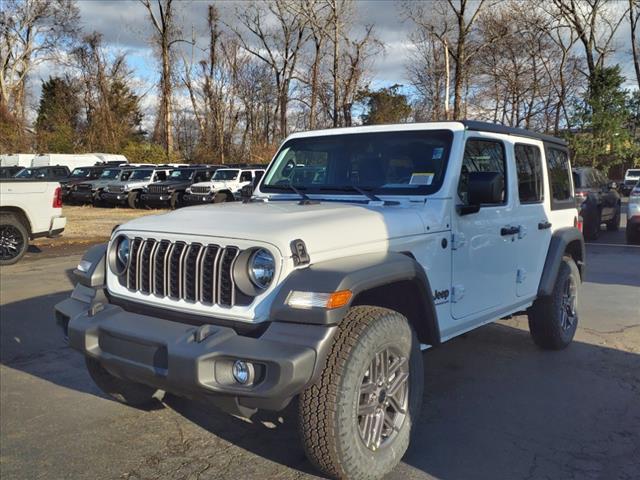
(160, 186)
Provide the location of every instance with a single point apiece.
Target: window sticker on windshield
(421, 179)
(437, 153)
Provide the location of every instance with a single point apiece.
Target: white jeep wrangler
(225, 186)
(325, 287)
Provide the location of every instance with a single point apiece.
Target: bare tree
(452, 22)
(166, 35)
(278, 32)
(595, 22)
(31, 32)
(634, 14)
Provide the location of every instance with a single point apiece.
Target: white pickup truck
(28, 209)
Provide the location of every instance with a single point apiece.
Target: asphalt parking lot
(495, 407)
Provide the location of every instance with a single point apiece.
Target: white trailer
(16, 159)
(70, 160)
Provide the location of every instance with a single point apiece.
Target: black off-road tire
(175, 201)
(133, 199)
(328, 421)
(121, 390)
(546, 313)
(591, 226)
(632, 236)
(97, 200)
(14, 237)
(613, 225)
(221, 198)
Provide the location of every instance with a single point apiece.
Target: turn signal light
(319, 300)
(577, 222)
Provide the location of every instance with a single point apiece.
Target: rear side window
(245, 177)
(560, 183)
(529, 170)
(482, 156)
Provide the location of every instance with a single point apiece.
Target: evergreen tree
(58, 116)
(386, 105)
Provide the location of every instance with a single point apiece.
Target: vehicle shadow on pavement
(495, 406)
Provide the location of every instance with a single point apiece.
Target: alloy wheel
(11, 242)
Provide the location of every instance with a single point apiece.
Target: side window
(529, 171)
(245, 176)
(482, 156)
(200, 177)
(259, 175)
(161, 176)
(558, 163)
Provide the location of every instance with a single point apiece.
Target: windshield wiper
(304, 198)
(365, 193)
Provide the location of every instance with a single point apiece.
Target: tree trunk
(633, 19)
(336, 52)
(167, 112)
(447, 80)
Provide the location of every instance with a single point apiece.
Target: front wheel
(553, 320)
(133, 199)
(357, 419)
(613, 225)
(14, 239)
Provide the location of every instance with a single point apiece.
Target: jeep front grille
(157, 189)
(183, 271)
(115, 188)
(201, 190)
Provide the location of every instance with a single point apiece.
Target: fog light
(243, 372)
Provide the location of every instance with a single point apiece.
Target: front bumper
(155, 198)
(195, 361)
(82, 196)
(114, 197)
(195, 199)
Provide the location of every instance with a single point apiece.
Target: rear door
(535, 228)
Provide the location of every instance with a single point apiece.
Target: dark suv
(597, 199)
(169, 192)
(79, 175)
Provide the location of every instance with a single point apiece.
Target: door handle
(508, 230)
(544, 225)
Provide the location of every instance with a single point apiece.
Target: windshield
(109, 173)
(141, 175)
(80, 173)
(225, 175)
(181, 175)
(401, 163)
(633, 173)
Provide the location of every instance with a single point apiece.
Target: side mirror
(482, 188)
(613, 186)
(246, 192)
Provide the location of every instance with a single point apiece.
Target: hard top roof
(455, 125)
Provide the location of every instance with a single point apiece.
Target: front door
(484, 254)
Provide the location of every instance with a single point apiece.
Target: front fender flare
(359, 274)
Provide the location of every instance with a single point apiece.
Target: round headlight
(122, 253)
(262, 268)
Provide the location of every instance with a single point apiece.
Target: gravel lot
(495, 407)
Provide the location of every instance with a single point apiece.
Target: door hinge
(521, 275)
(457, 292)
(457, 241)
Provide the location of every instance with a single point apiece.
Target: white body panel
(35, 200)
(486, 275)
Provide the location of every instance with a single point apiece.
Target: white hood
(324, 227)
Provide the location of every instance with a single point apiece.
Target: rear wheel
(14, 239)
(553, 320)
(124, 391)
(357, 419)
